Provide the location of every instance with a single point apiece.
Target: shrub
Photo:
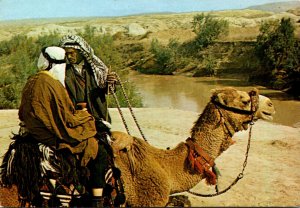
(4, 48)
(278, 51)
(52, 38)
(208, 29)
(210, 64)
(164, 58)
(162, 54)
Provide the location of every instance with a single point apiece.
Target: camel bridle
(253, 102)
(254, 106)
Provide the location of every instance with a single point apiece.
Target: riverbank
(128, 42)
(193, 93)
(272, 175)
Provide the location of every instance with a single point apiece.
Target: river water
(193, 93)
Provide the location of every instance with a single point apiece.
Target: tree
(208, 29)
(278, 51)
(164, 56)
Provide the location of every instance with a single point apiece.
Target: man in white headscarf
(50, 117)
(52, 59)
(46, 108)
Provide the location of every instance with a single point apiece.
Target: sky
(31, 9)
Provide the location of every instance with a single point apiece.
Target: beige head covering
(52, 59)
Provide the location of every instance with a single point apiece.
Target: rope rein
(111, 89)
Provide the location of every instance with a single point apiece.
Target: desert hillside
(244, 25)
(133, 35)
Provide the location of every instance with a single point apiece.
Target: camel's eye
(246, 102)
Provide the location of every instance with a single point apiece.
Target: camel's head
(238, 108)
(242, 106)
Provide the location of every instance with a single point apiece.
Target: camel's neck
(210, 132)
(210, 135)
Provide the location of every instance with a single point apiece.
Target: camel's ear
(221, 98)
(218, 96)
(253, 92)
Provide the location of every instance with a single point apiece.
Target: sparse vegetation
(174, 56)
(205, 53)
(277, 51)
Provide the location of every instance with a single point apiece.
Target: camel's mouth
(267, 116)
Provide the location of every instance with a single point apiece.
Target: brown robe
(49, 115)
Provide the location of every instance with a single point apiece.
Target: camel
(151, 174)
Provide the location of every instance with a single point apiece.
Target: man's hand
(112, 78)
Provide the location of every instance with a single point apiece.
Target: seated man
(50, 117)
(87, 80)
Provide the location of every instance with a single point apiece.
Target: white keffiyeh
(100, 70)
(53, 59)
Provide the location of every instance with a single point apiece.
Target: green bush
(4, 48)
(279, 54)
(9, 96)
(103, 46)
(162, 54)
(208, 29)
(210, 64)
(52, 38)
(164, 59)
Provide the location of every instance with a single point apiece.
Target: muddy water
(192, 94)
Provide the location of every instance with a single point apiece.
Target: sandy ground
(272, 176)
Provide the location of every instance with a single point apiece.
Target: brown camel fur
(150, 174)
